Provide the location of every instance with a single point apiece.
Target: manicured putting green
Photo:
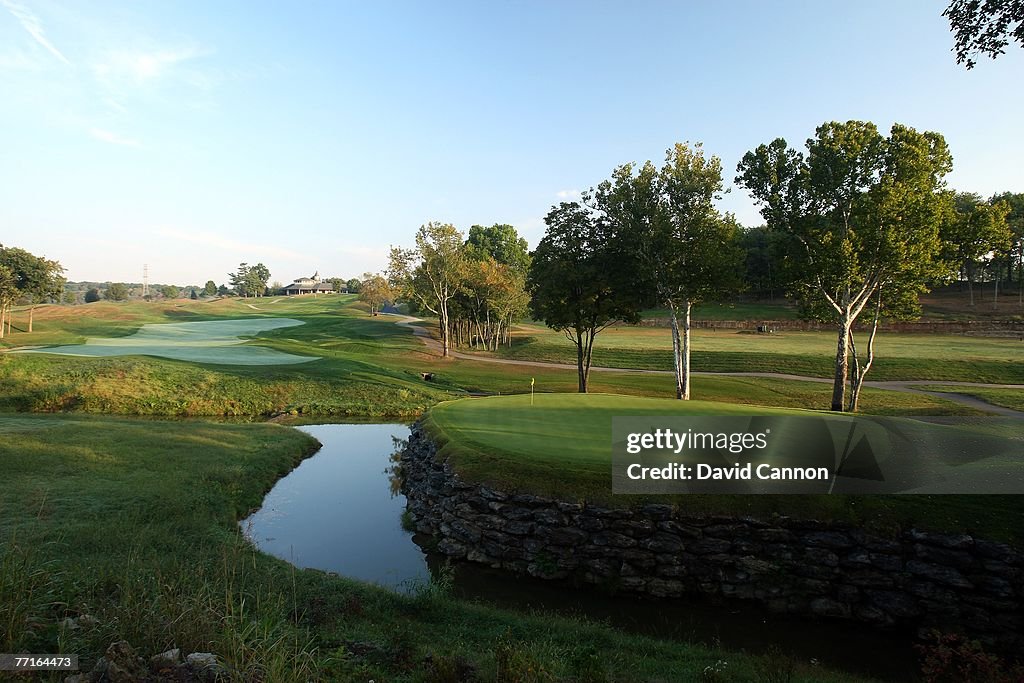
(212, 341)
(562, 443)
(570, 429)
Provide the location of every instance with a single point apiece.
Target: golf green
(212, 341)
(561, 444)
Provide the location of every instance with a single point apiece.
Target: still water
(340, 511)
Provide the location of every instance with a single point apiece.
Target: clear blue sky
(310, 136)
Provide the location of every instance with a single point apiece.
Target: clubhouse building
(309, 285)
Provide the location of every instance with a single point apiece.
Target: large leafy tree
(984, 27)
(257, 279)
(430, 274)
(374, 291)
(250, 280)
(36, 279)
(684, 251)
(1015, 219)
(860, 213)
(117, 291)
(978, 230)
(501, 242)
(578, 281)
(210, 289)
(493, 292)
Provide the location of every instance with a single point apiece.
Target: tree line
(857, 223)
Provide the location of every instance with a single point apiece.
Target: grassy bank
(134, 524)
(560, 446)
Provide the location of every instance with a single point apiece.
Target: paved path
(905, 386)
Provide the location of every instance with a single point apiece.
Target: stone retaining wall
(953, 582)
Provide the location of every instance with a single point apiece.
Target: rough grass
(134, 523)
(561, 446)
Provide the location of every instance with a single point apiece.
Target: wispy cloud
(142, 66)
(235, 246)
(112, 138)
(568, 194)
(30, 22)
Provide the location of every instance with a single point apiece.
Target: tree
(193, 294)
(37, 279)
(240, 279)
(577, 282)
(70, 297)
(337, 284)
(223, 290)
(762, 266)
(430, 274)
(117, 291)
(353, 286)
(977, 229)
(210, 289)
(684, 251)
(8, 293)
(984, 27)
(256, 280)
(502, 243)
(860, 214)
(374, 291)
(92, 295)
(492, 295)
(170, 291)
(1015, 220)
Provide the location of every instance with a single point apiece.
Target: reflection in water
(394, 470)
(341, 511)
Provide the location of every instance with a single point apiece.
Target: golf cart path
(905, 386)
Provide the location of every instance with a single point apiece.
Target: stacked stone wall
(913, 578)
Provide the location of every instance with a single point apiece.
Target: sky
(311, 136)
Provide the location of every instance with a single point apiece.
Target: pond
(341, 511)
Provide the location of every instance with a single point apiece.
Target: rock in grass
(165, 660)
(205, 665)
(120, 664)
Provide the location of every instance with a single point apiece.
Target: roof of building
(319, 286)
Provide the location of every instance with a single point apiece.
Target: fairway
(900, 356)
(212, 341)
